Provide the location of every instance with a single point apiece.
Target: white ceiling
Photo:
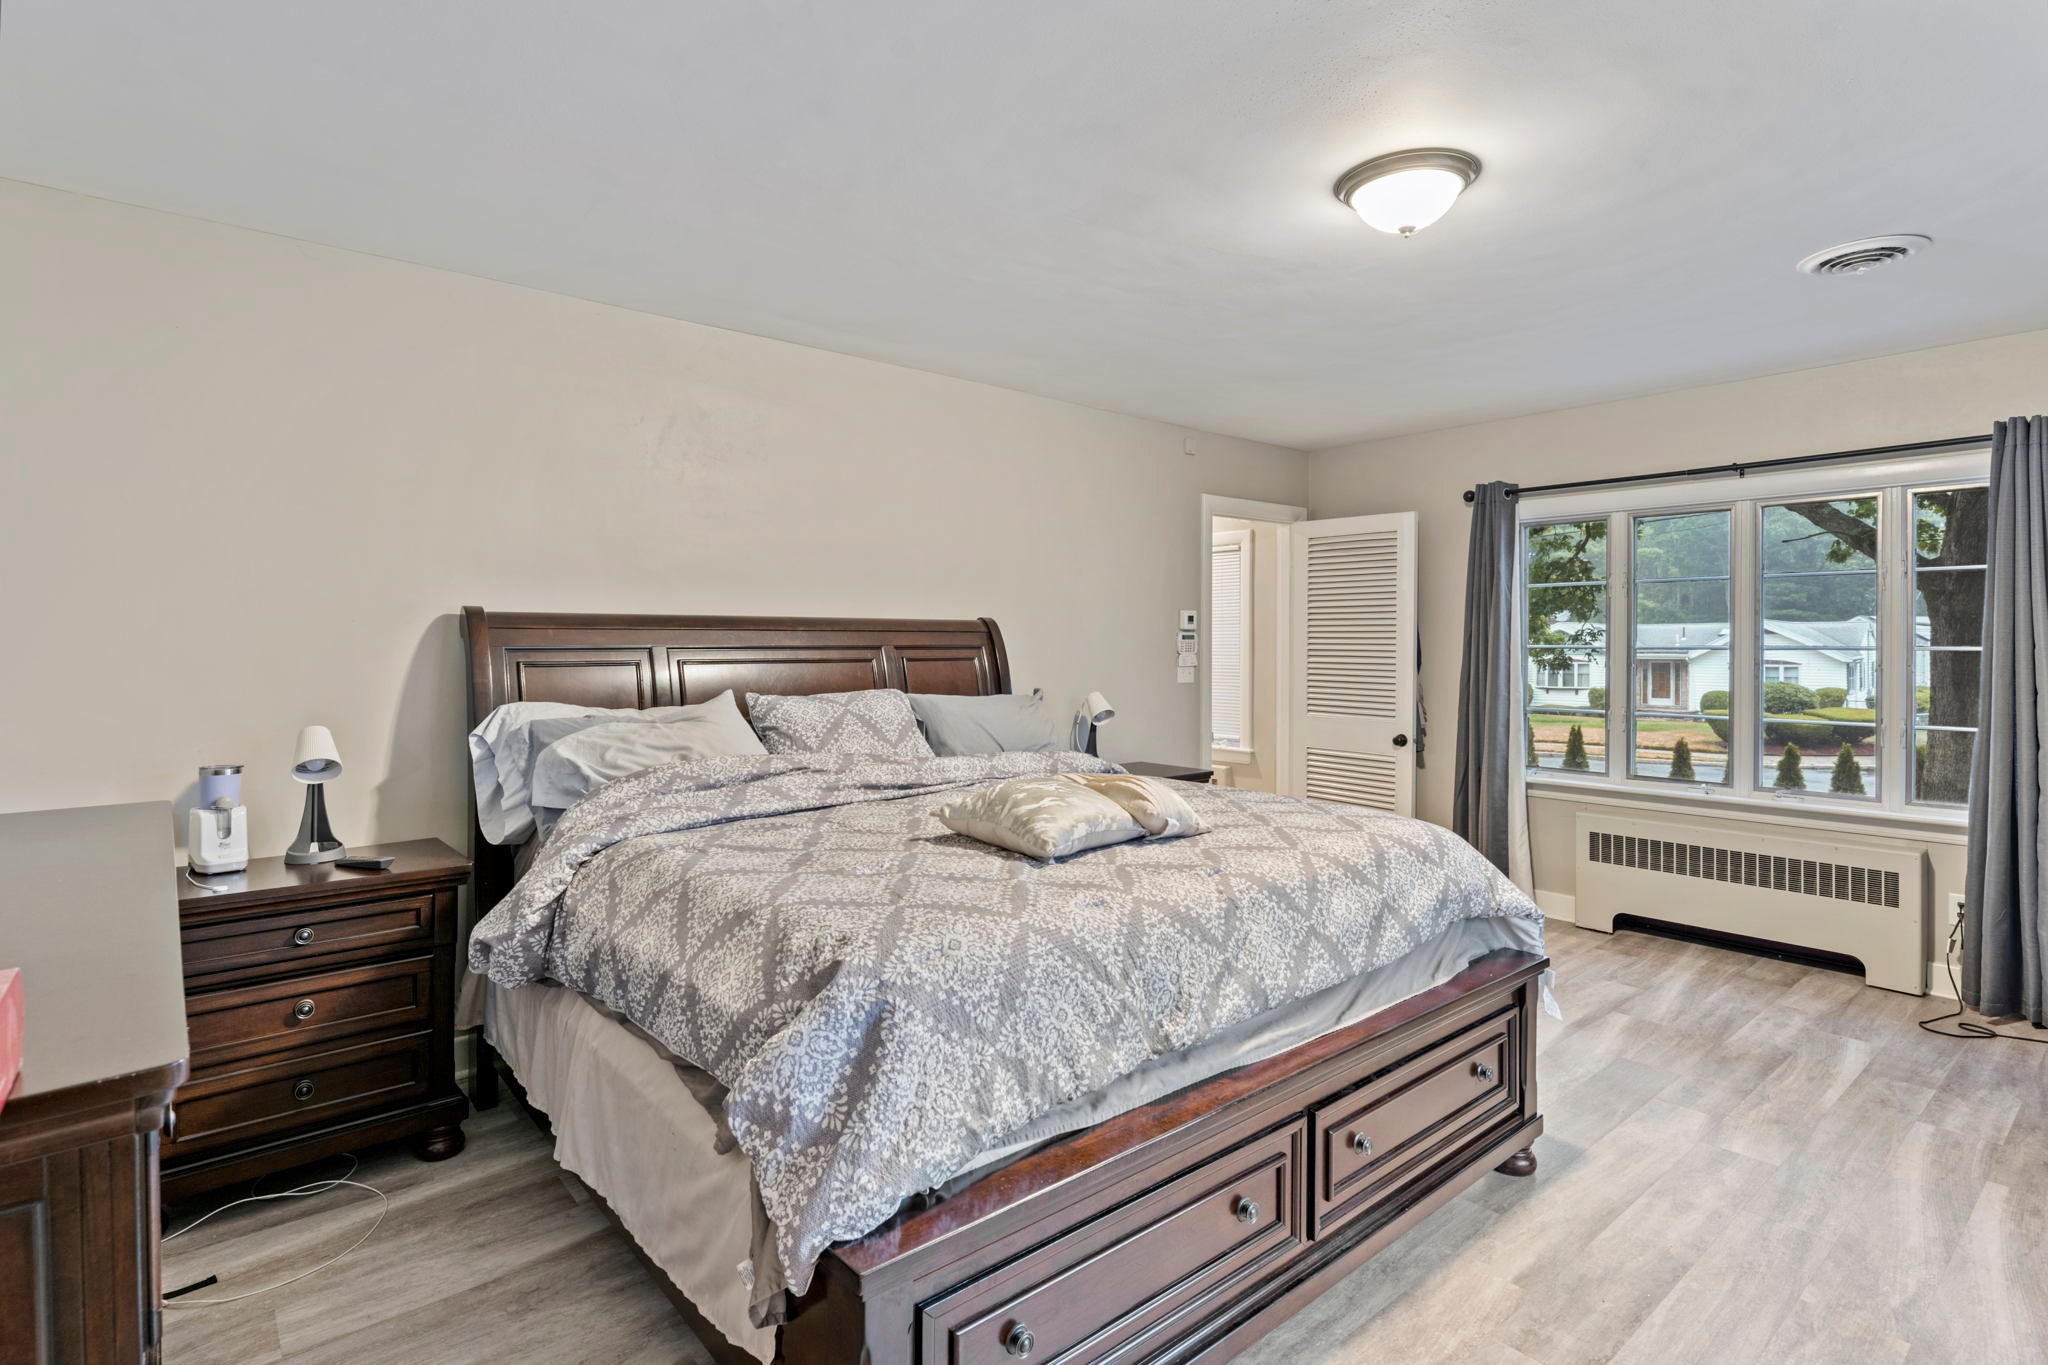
(1121, 202)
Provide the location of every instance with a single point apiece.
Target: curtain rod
(1739, 470)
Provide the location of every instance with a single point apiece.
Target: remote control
(365, 864)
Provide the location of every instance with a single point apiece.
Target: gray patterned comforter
(884, 999)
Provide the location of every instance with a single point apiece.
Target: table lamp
(315, 763)
(1094, 711)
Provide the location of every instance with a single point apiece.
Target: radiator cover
(1864, 901)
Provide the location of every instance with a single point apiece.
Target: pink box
(10, 1030)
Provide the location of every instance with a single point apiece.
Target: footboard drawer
(1373, 1138)
(1112, 1288)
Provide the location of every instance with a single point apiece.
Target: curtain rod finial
(1468, 495)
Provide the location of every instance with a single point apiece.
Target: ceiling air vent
(1855, 258)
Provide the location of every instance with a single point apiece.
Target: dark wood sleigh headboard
(642, 661)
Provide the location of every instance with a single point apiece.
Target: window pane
(1678, 665)
(1703, 758)
(1952, 598)
(1941, 765)
(1819, 537)
(1833, 598)
(1818, 647)
(1950, 525)
(1565, 568)
(1835, 758)
(1949, 530)
(1549, 743)
(1685, 545)
(1945, 687)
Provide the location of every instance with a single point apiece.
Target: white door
(1353, 705)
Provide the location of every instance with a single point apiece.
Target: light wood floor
(1746, 1161)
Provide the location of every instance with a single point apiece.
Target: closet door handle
(1400, 741)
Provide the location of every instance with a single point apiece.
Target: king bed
(860, 1089)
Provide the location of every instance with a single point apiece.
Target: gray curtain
(2004, 971)
(1489, 679)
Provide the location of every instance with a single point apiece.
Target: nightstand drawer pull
(304, 1009)
(301, 937)
(303, 1091)
(1482, 1071)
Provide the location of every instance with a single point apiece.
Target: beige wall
(246, 481)
(1923, 395)
(1261, 773)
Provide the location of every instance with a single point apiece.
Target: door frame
(1215, 505)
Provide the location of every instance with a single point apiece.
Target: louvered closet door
(1353, 708)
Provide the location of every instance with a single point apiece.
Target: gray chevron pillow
(879, 721)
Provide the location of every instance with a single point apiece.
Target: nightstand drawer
(244, 1021)
(236, 1104)
(284, 938)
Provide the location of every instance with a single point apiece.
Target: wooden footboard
(1189, 1227)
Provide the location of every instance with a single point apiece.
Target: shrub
(1529, 742)
(1596, 697)
(1575, 759)
(1845, 729)
(1824, 697)
(1712, 705)
(1681, 761)
(1848, 775)
(1788, 699)
(1790, 777)
(1923, 697)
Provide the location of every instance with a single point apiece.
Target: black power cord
(1965, 1028)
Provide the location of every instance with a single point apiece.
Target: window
(1786, 637)
(1576, 676)
(1680, 650)
(1230, 684)
(1947, 555)
(1818, 596)
(1564, 566)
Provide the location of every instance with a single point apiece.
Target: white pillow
(1068, 813)
(579, 763)
(501, 754)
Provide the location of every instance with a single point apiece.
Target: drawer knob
(1361, 1144)
(1018, 1341)
(303, 1010)
(303, 1091)
(301, 937)
(1246, 1209)
(1482, 1070)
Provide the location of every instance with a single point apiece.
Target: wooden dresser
(88, 916)
(321, 1004)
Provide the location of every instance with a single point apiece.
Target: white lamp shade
(1405, 201)
(1098, 709)
(316, 759)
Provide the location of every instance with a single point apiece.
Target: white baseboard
(1558, 906)
(1937, 980)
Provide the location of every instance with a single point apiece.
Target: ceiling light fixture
(1403, 192)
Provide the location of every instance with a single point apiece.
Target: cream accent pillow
(1151, 801)
(1068, 813)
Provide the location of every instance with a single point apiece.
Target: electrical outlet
(1955, 907)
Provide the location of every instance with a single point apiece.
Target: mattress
(635, 1126)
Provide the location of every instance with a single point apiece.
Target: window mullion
(1895, 642)
(1745, 638)
(1621, 643)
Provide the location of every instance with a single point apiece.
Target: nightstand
(1172, 772)
(320, 1002)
